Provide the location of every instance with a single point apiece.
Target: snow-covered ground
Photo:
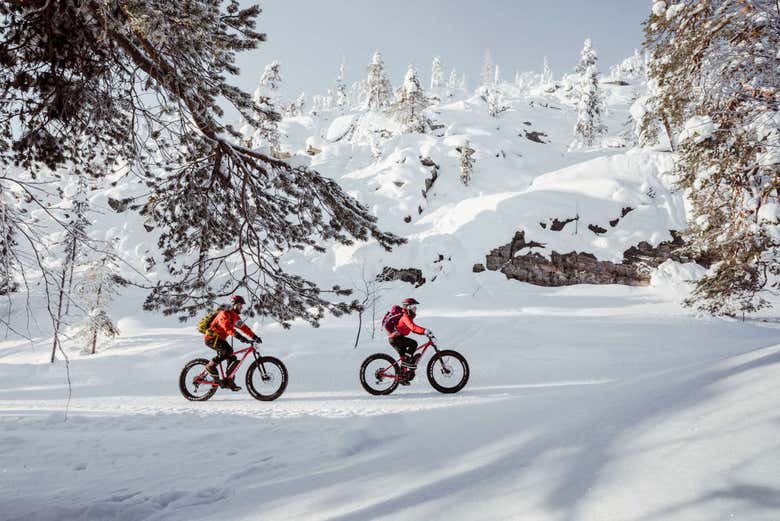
(585, 403)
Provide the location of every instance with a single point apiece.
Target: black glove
(241, 338)
(257, 339)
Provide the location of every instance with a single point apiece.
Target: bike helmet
(409, 302)
(237, 299)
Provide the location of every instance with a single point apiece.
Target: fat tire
(364, 383)
(431, 367)
(250, 386)
(183, 381)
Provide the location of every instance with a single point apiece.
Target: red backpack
(390, 322)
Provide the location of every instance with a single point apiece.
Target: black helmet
(237, 299)
(409, 302)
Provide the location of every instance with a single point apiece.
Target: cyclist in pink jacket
(402, 343)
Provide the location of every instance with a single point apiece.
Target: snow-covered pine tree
(632, 68)
(547, 75)
(452, 83)
(7, 243)
(463, 84)
(358, 93)
(588, 58)
(267, 96)
(123, 81)
(296, 108)
(410, 104)
(497, 76)
(716, 68)
(271, 79)
(466, 162)
(98, 285)
(488, 69)
(437, 74)
(495, 102)
(590, 109)
(76, 235)
(76, 224)
(379, 92)
(340, 91)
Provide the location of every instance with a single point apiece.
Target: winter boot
(212, 371)
(230, 384)
(408, 367)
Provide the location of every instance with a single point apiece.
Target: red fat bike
(266, 378)
(447, 371)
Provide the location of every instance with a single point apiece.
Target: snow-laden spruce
(715, 94)
(378, 90)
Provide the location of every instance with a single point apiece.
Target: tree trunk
(668, 130)
(95, 333)
(72, 259)
(56, 341)
(360, 326)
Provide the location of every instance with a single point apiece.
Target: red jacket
(225, 324)
(406, 325)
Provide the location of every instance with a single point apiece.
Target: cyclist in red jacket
(402, 343)
(223, 326)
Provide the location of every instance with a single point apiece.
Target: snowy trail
(540, 451)
(640, 414)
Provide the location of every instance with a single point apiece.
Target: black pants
(224, 352)
(404, 345)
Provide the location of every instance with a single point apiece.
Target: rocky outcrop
(429, 163)
(411, 275)
(563, 269)
(648, 256)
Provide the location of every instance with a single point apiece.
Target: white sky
(311, 37)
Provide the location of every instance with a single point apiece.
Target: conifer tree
(588, 58)
(267, 96)
(358, 93)
(466, 162)
(410, 104)
(715, 67)
(75, 236)
(488, 69)
(437, 74)
(495, 102)
(7, 243)
(590, 109)
(497, 76)
(340, 91)
(379, 92)
(452, 82)
(140, 85)
(547, 75)
(99, 284)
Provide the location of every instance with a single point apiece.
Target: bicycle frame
(246, 352)
(422, 349)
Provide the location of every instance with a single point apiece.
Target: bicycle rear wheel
(448, 371)
(378, 374)
(195, 383)
(266, 378)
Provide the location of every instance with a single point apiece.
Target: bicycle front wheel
(266, 378)
(195, 383)
(448, 371)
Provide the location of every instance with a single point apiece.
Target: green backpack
(204, 325)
